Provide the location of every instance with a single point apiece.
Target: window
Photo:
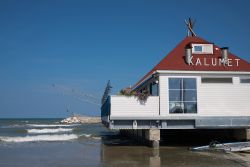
(245, 80)
(202, 49)
(182, 95)
(216, 80)
(154, 89)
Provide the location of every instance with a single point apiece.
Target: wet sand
(170, 156)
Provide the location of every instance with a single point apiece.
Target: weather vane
(190, 25)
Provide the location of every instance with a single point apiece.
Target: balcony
(129, 107)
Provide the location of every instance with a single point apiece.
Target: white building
(198, 85)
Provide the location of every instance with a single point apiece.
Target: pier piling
(150, 137)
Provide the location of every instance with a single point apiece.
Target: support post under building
(149, 136)
(242, 134)
(153, 137)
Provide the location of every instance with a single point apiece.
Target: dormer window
(202, 48)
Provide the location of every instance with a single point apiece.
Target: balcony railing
(129, 107)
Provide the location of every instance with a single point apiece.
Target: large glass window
(182, 95)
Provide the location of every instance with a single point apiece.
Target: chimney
(224, 54)
(188, 54)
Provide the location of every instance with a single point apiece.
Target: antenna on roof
(190, 25)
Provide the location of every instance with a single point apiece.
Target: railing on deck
(123, 106)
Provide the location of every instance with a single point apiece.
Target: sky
(50, 47)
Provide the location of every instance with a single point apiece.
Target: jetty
(81, 119)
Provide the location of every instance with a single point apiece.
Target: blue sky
(82, 44)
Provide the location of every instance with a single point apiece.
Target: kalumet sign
(213, 62)
(207, 51)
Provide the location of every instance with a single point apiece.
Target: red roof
(175, 60)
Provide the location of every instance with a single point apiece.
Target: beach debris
(227, 147)
(70, 120)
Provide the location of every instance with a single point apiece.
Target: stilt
(155, 159)
(150, 136)
(242, 134)
(153, 137)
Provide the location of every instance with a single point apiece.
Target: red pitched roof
(175, 60)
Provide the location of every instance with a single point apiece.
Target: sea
(46, 142)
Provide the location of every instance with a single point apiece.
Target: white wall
(163, 94)
(212, 99)
(224, 99)
(130, 106)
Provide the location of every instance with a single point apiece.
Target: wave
(63, 137)
(52, 125)
(97, 137)
(58, 130)
(25, 121)
(85, 135)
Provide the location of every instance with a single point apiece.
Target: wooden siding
(131, 106)
(163, 92)
(224, 99)
(213, 99)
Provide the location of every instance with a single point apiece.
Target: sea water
(46, 142)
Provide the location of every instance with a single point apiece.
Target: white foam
(25, 121)
(51, 125)
(57, 130)
(86, 135)
(63, 137)
(96, 138)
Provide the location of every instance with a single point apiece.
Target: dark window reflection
(190, 95)
(175, 83)
(176, 107)
(175, 95)
(189, 83)
(190, 107)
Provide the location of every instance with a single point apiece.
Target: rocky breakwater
(81, 119)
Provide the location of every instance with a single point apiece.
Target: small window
(154, 89)
(245, 80)
(202, 48)
(216, 80)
